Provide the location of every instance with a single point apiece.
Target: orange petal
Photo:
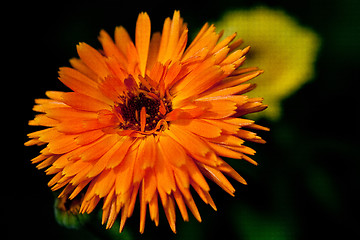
(172, 73)
(100, 147)
(228, 140)
(39, 159)
(124, 216)
(83, 68)
(184, 189)
(238, 99)
(224, 126)
(62, 144)
(164, 40)
(258, 127)
(202, 69)
(47, 162)
(247, 135)
(81, 177)
(172, 151)
(110, 49)
(131, 202)
(181, 44)
(184, 113)
(199, 127)
(70, 114)
(181, 204)
(78, 189)
(204, 81)
(83, 102)
(224, 42)
(174, 32)
(153, 50)
(104, 182)
(142, 40)
(182, 176)
(32, 142)
(196, 175)
(124, 173)
(228, 170)
(93, 59)
(206, 38)
(209, 159)
(101, 163)
(121, 152)
(74, 168)
(142, 208)
(235, 44)
(218, 109)
(227, 152)
(149, 183)
(112, 87)
(227, 91)
(169, 208)
(154, 209)
(204, 195)
(243, 149)
(147, 152)
(43, 120)
(239, 79)
(234, 56)
(75, 126)
(109, 209)
(188, 140)
(80, 83)
(89, 206)
(45, 135)
(241, 122)
(139, 172)
(221, 55)
(193, 208)
(122, 39)
(216, 176)
(164, 175)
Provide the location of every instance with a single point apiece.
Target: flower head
(148, 120)
(285, 50)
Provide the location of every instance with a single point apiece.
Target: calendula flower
(284, 49)
(148, 120)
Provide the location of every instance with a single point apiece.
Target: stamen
(142, 110)
(143, 119)
(153, 95)
(162, 108)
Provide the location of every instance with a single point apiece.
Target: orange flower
(148, 119)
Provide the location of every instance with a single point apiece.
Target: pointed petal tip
(176, 14)
(81, 45)
(143, 14)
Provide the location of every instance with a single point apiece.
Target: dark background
(307, 183)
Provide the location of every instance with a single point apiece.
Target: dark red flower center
(136, 107)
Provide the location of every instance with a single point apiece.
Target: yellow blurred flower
(281, 47)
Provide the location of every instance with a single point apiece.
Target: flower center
(142, 111)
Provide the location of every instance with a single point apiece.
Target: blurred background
(306, 185)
